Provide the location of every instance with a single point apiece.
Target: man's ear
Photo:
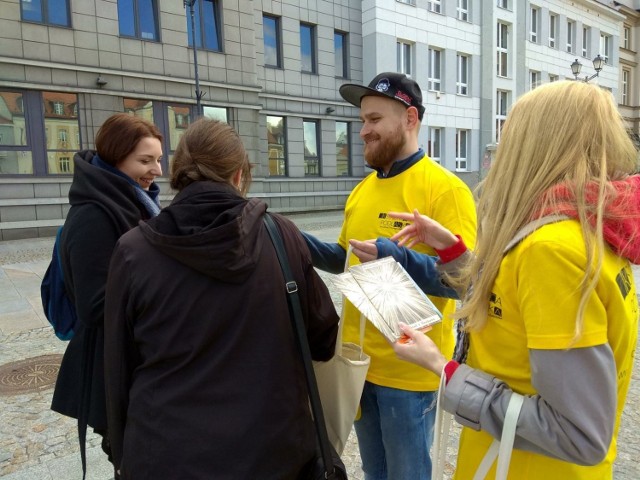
(412, 117)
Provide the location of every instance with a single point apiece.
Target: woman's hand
(365, 250)
(423, 230)
(419, 349)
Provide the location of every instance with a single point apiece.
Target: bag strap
(363, 320)
(300, 331)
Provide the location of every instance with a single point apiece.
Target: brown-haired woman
(113, 189)
(201, 364)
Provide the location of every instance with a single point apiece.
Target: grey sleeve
(571, 418)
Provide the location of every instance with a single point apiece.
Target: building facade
(272, 69)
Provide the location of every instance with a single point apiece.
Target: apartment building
(272, 69)
(628, 95)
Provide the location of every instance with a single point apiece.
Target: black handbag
(326, 463)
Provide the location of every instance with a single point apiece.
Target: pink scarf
(621, 227)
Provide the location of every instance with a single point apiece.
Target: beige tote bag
(340, 382)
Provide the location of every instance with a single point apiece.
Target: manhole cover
(30, 375)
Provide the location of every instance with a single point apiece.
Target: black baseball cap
(396, 86)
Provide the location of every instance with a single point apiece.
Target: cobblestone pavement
(38, 444)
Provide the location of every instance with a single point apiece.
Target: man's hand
(365, 250)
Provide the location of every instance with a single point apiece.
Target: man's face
(383, 130)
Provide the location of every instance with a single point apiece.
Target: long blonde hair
(566, 132)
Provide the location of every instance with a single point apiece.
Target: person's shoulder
(562, 237)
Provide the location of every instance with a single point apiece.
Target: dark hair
(210, 150)
(119, 135)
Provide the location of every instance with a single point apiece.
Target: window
(462, 74)
(16, 145)
(341, 54)
(50, 12)
(534, 26)
(276, 144)
(435, 6)
(308, 47)
(178, 118)
(139, 19)
(271, 31)
(216, 113)
(462, 10)
(553, 78)
(403, 52)
(311, 157)
(534, 79)
(408, 2)
(625, 87)
(462, 147)
(502, 49)
(586, 38)
(64, 165)
(626, 37)
(139, 108)
(571, 35)
(605, 47)
(433, 144)
(207, 21)
(343, 149)
(503, 3)
(553, 28)
(435, 69)
(502, 104)
(59, 117)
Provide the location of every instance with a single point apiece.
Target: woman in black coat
(113, 189)
(204, 376)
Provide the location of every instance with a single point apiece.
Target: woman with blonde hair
(202, 366)
(550, 308)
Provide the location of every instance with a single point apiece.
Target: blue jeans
(395, 433)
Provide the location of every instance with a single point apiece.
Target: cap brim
(353, 93)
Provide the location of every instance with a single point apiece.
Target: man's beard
(386, 150)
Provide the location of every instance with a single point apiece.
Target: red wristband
(449, 369)
(452, 252)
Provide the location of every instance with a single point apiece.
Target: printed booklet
(385, 294)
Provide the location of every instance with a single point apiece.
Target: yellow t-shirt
(533, 305)
(435, 192)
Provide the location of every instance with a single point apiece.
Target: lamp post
(199, 93)
(598, 63)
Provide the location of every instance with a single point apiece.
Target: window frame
(313, 47)
(534, 23)
(571, 36)
(282, 162)
(462, 84)
(502, 107)
(137, 29)
(535, 79)
(502, 52)
(434, 142)
(625, 79)
(462, 162)
(626, 37)
(434, 6)
(200, 27)
(404, 57)
(345, 53)
(44, 13)
(348, 144)
(553, 30)
(318, 143)
(278, 40)
(605, 47)
(434, 79)
(462, 10)
(586, 36)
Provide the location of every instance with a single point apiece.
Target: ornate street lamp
(598, 63)
(199, 93)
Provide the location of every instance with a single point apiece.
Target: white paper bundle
(385, 293)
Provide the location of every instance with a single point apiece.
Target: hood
(100, 187)
(621, 227)
(210, 228)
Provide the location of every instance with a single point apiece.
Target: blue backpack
(58, 307)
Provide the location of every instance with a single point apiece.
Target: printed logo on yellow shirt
(495, 306)
(623, 279)
(386, 222)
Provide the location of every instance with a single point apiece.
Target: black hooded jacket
(204, 378)
(103, 207)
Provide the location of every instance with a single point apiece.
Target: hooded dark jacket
(103, 207)
(204, 377)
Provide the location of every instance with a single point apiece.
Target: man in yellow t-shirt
(395, 429)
